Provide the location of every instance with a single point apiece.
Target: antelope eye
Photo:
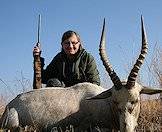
(134, 102)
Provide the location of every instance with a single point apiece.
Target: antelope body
(83, 104)
(47, 108)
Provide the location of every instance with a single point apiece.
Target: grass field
(150, 119)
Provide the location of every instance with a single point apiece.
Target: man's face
(71, 45)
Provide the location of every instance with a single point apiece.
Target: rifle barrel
(39, 25)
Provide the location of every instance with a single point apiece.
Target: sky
(18, 33)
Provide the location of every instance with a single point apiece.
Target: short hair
(68, 34)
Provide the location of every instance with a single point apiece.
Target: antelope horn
(134, 72)
(115, 79)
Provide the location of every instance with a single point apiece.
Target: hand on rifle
(37, 50)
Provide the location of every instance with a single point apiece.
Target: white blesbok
(117, 108)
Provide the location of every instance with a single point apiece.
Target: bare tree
(155, 66)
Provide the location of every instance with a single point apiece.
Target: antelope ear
(150, 91)
(103, 95)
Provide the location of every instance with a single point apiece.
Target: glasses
(69, 42)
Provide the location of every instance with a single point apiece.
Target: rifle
(37, 81)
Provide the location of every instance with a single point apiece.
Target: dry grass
(150, 119)
(2, 106)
